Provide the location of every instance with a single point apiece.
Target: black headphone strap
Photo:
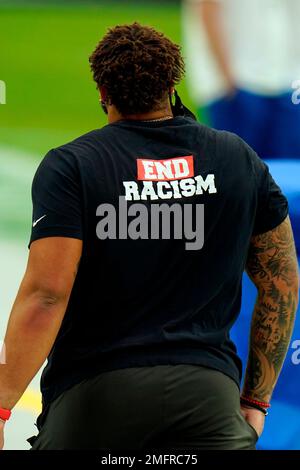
(179, 109)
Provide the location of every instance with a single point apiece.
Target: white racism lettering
(175, 189)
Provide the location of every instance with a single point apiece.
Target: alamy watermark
(296, 93)
(296, 354)
(155, 221)
(2, 92)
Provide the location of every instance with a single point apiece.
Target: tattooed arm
(272, 266)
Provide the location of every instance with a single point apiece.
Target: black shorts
(158, 407)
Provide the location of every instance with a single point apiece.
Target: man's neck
(114, 115)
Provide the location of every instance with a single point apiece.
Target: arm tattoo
(272, 266)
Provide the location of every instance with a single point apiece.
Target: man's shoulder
(81, 147)
(231, 152)
(221, 136)
(224, 143)
(85, 140)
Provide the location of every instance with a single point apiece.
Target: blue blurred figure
(243, 58)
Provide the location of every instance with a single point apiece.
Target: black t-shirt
(146, 299)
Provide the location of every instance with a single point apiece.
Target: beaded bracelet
(258, 405)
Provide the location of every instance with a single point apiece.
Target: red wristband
(5, 414)
(262, 404)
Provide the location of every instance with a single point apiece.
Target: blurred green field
(51, 97)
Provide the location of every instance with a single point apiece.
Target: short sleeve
(272, 205)
(56, 198)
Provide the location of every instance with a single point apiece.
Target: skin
(43, 296)
(274, 314)
(272, 266)
(37, 314)
(211, 15)
(52, 266)
(113, 115)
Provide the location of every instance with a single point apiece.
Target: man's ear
(103, 99)
(172, 90)
(103, 93)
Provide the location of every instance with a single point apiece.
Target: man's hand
(212, 20)
(2, 424)
(255, 418)
(231, 87)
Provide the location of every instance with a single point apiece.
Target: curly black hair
(137, 65)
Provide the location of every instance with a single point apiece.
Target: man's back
(153, 297)
(140, 236)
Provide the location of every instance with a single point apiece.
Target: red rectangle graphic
(165, 170)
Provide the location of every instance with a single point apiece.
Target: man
(135, 323)
(242, 59)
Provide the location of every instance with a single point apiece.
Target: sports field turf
(44, 62)
(51, 97)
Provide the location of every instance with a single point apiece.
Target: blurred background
(243, 64)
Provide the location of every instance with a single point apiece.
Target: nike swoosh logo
(38, 220)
